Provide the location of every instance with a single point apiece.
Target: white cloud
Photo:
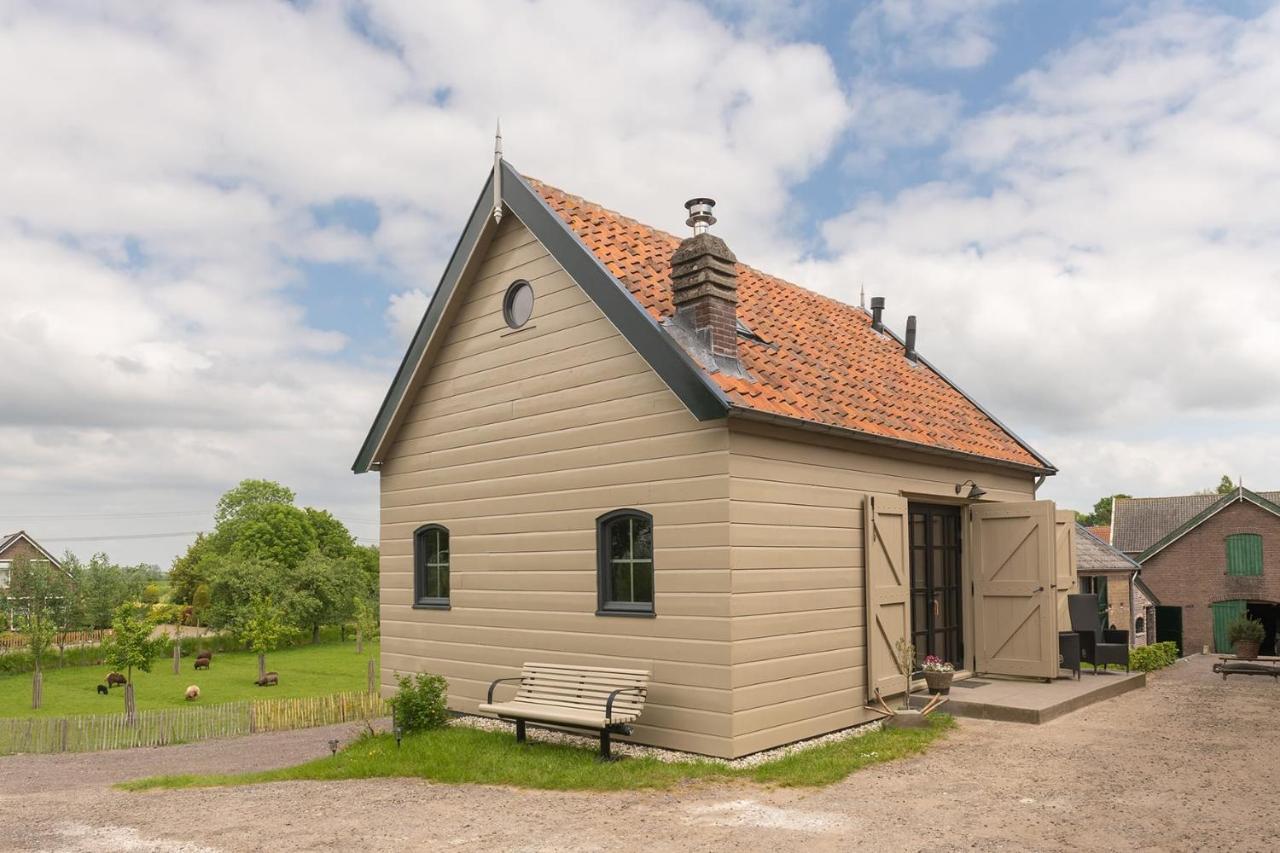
(927, 33)
(164, 160)
(1104, 272)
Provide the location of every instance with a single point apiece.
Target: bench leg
(519, 731)
(605, 753)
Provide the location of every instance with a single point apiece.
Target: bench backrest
(585, 687)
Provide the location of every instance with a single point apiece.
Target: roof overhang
(742, 413)
(682, 375)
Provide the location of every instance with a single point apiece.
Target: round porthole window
(517, 306)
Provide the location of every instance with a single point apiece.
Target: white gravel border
(671, 756)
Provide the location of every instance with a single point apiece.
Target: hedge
(1153, 657)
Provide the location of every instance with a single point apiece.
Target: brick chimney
(704, 284)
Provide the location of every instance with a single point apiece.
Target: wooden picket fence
(92, 732)
(15, 641)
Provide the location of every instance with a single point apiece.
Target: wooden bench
(594, 698)
(1261, 665)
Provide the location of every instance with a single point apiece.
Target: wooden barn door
(1065, 560)
(888, 591)
(1012, 556)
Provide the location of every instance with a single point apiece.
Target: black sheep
(102, 690)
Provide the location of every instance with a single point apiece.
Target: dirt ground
(1190, 762)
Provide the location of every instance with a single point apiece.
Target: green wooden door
(1224, 613)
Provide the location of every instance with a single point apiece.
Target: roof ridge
(667, 234)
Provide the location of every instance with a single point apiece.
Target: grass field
(463, 755)
(304, 671)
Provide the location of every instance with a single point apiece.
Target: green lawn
(463, 755)
(304, 671)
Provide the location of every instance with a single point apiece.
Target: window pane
(641, 539)
(620, 582)
(444, 581)
(429, 585)
(619, 534)
(642, 581)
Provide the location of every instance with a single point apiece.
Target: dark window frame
(421, 600)
(508, 303)
(604, 605)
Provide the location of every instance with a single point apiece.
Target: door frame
(963, 579)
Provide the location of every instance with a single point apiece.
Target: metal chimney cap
(877, 302)
(701, 214)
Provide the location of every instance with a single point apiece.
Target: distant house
(14, 547)
(610, 446)
(1116, 579)
(1209, 559)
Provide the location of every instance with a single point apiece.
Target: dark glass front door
(936, 612)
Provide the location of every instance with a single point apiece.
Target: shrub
(1245, 630)
(419, 703)
(1153, 657)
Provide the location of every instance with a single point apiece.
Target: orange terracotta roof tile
(821, 362)
(1102, 531)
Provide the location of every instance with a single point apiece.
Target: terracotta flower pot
(939, 682)
(1247, 649)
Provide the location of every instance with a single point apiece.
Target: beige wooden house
(611, 446)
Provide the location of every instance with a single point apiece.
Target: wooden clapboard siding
(796, 539)
(517, 442)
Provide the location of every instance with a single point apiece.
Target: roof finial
(497, 172)
(862, 296)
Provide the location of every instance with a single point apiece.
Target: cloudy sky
(219, 222)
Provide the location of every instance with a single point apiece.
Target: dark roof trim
(685, 378)
(1048, 469)
(22, 534)
(458, 262)
(1240, 494)
(858, 435)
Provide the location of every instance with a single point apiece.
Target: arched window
(624, 557)
(431, 567)
(1140, 626)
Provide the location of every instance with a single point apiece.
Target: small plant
(1245, 630)
(933, 663)
(420, 702)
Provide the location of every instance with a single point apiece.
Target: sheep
(202, 663)
(193, 692)
(207, 654)
(271, 679)
(102, 690)
(115, 678)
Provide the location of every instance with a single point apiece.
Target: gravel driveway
(1188, 763)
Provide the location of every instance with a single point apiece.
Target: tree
(151, 593)
(200, 604)
(365, 611)
(1101, 514)
(263, 628)
(250, 494)
(130, 645)
(105, 586)
(1225, 486)
(36, 588)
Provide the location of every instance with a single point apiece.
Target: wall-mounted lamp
(975, 491)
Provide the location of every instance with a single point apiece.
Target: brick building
(1209, 559)
(14, 547)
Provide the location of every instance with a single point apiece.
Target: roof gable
(9, 541)
(1139, 523)
(812, 361)
(1262, 500)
